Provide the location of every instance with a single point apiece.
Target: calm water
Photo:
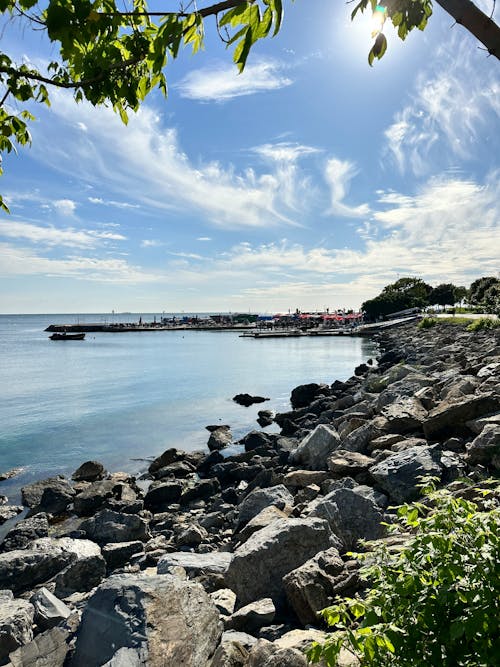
(120, 397)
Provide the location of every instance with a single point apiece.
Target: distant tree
(404, 293)
(460, 293)
(480, 287)
(444, 295)
(492, 299)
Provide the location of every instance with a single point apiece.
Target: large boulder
(259, 499)
(48, 649)
(108, 526)
(162, 494)
(24, 532)
(220, 437)
(214, 562)
(400, 473)
(314, 449)
(485, 449)
(259, 565)
(56, 492)
(151, 620)
(49, 610)
(86, 569)
(116, 554)
(94, 496)
(305, 394)
(449, 418)
(351, 516)
(22, 569)
(406, 415)
(90, 471)
(16, 625)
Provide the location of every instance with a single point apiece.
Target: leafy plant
(436, 601)
(483, 324)
(427, 323)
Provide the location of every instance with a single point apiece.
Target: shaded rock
(230, 654)
(256, 440)
(448, 418)
(258, 565)
(246, 400)
(86, 567)
(400, 473)
(49, 610)
(116, 554)
(257, 500)
(48, 649)
(253, 616)
(203, 490)
(265, 417)
(22, 569)
(160, 619)
(408, 414)
(485, 448)
(94, 496)
(225, 600)
(8, 512)
(477, 425)
(24, 532)
(16, 621)
(56, 491)
(90, 471)
(219, 438)
(384, 441)
(215, 562)
(108, 526)
(342, 462)
(358, 440)
(169, 456)
(314, 449)
(305, 394)
(162, 494)
(192, 536)
(351, 516)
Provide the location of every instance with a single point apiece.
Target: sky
(309, 181)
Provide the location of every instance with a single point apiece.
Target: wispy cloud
(111, 202)
(221, 82)
(151, 243)
(66, 207)
(54, 236)
(338, 175)
(284, 151)
(203, 238)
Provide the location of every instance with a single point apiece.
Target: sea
(123, 398)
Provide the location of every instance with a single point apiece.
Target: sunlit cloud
(338, 175)
(221, 82)
(151, 243)
(54, 236)
(65, 207)
(111, 202)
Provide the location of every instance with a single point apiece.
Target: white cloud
(150, 243)
(111, 202)
(285, 151)
(221, 82)
(338, 175)
(53, 236)
(204, 238)
(65, 207)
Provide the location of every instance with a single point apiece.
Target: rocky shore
(224, 561)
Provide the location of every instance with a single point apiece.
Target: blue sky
(309, 181)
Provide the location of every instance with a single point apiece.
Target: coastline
(224, 531)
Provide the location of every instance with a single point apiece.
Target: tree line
(412, 292)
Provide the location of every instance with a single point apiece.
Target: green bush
(434, 602)
(484, 323)
(427, 323)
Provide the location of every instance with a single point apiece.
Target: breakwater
(212, 560)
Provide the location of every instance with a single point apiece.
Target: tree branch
(204, 12)
(476, 22)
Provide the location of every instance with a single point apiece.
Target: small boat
(67, 336)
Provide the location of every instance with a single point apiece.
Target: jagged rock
(253, 616)
(408, 414)
(8, 512)
(215, 562)
(162, 494)
(225, 600)
(477, 425)
(358, 440)
(305, 394)
(385, 441)
(309, 588)
(265, 417)
(108, 526)
(230, 654)
(314, 449)
(220, 437)
(177, 469)
(246, 400)
(9, 474)
(257, 500)
(16, 625)
(203, 490)
(448, 418)
(90, 471)
(490, 370)
(485, 448)
(258, 566)
(49, 610)
(24, 532)
(407, 443)
(161, 620)
(48, 649)
(302, 478)
(351, 516)
(56, 492)
(94, 497)
(256, 440)
(169, 456)
(458, 387)
(118, 553)
(263, 519)
(342, 462)
(192, 536)
(399, 473)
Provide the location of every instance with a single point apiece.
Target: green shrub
(427, 323)
(436, 601)
(483, 323)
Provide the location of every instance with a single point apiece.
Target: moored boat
(67, 336)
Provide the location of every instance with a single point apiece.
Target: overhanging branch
(476, 22)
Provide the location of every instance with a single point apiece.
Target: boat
(67, 336)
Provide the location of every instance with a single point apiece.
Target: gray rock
(253, 616)
(230, 654)
(351, 516)
(48, 649)
(192, 536)
(214, 562)
(304, 394)
(49, 610)
(161, 495)
(448, 417)
(343, 462)
(485, 448)
(16, 621)
(263, 519)
(22, 569)
(90, 471)
(169, 456)
(258, 565)
(108, 526)
(225, 600)
(203, 490)
(314, 449)
(8, 512)
(24, 532)
(56, 492)
(490, 370)
(85, 570)
(399, 474)
(259, 499)
(219, 438)
(94, 496)
(302, 478)
(358, 440)
(163, 620)
(408, 414)
(477, 425)
(116, 554)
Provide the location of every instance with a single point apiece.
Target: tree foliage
(485, 293)
(434, 602)
(445, 294)
(403, 294)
